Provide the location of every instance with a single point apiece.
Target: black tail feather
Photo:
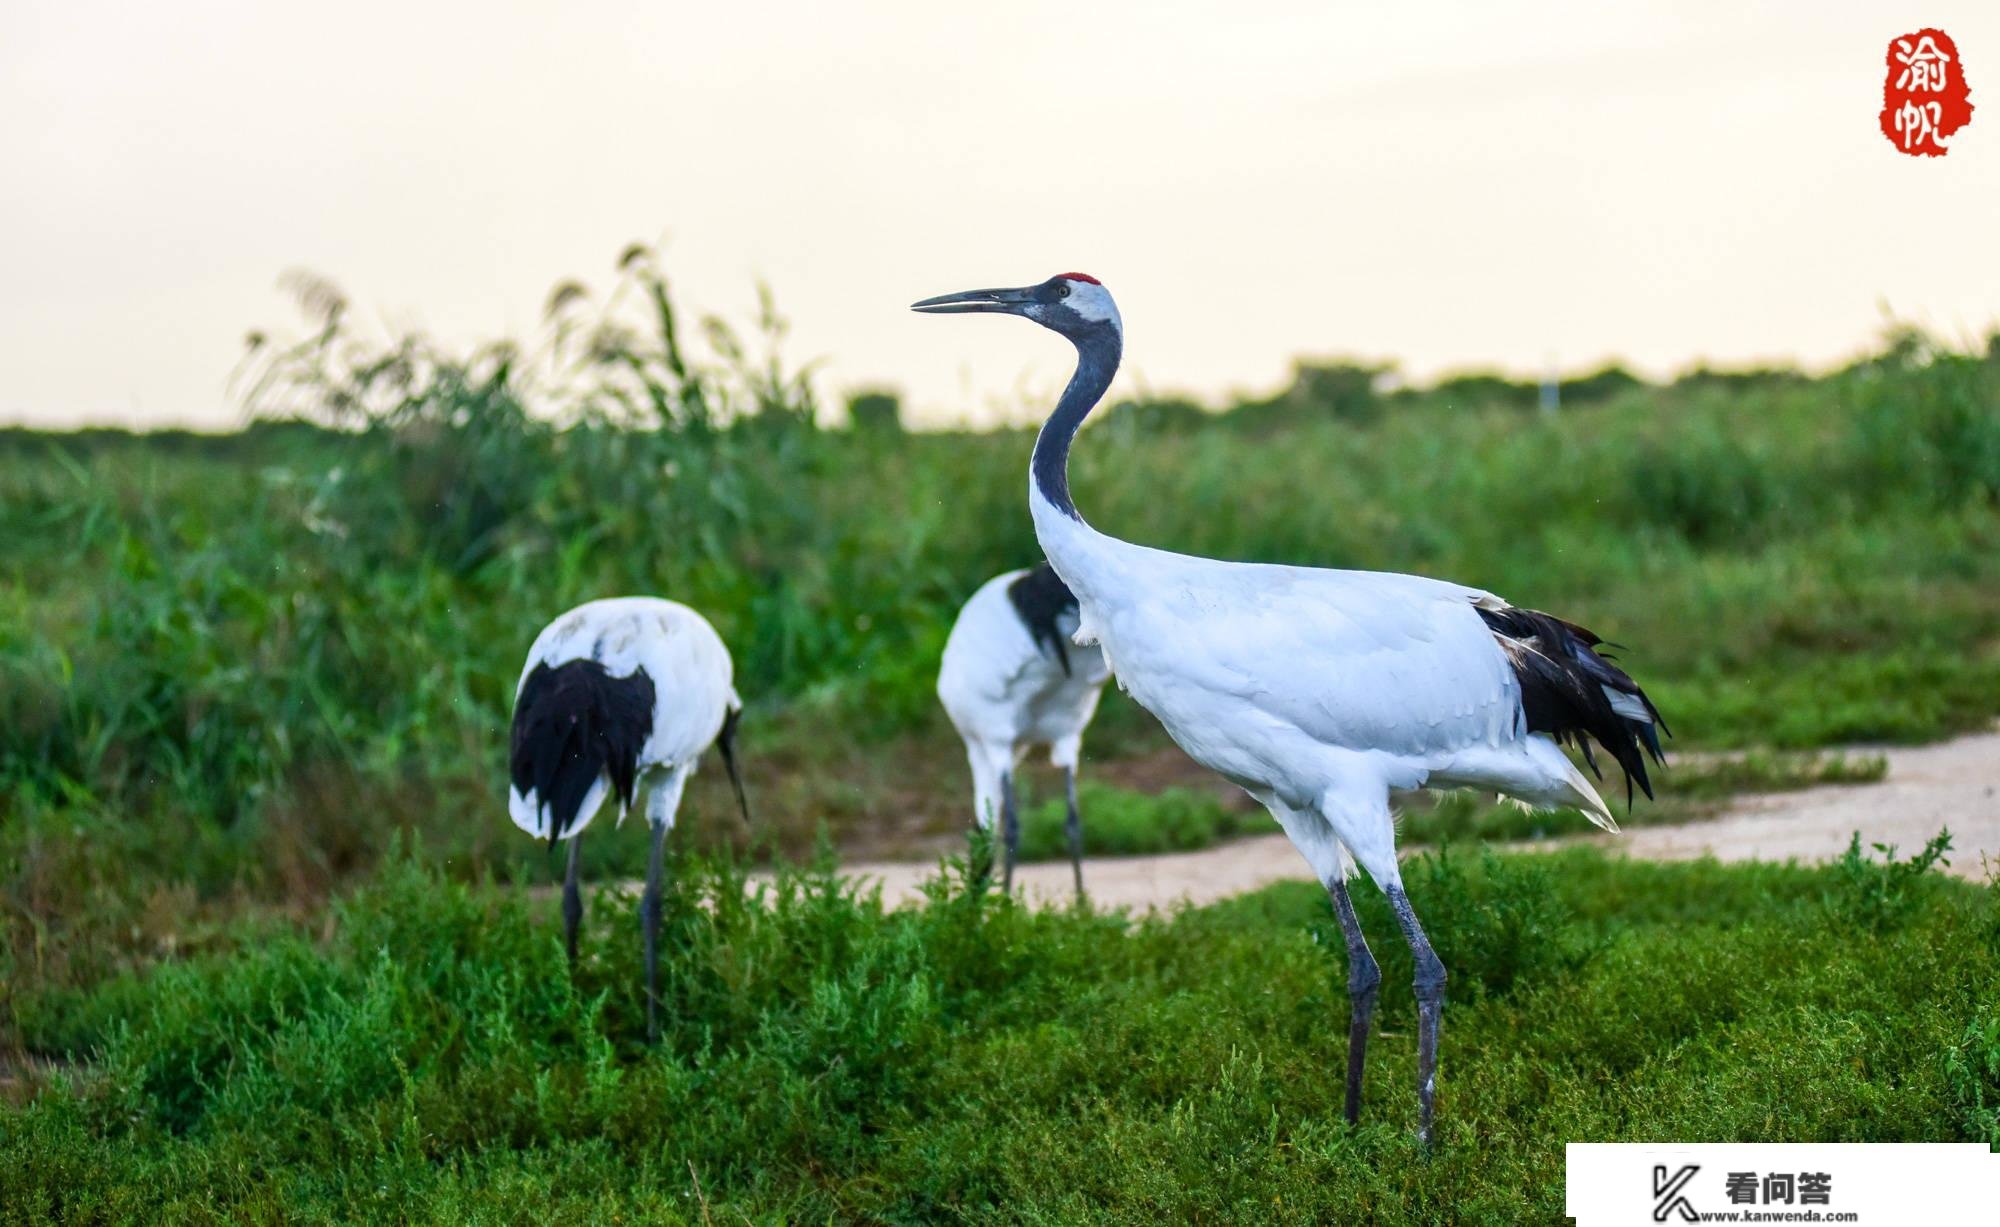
(1567, 690)
(1590, 758)
(574, 724)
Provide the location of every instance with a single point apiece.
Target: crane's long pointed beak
(1005, 301)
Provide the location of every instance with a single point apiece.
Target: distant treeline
(605, 365)
(1355, 391)
(1339, 389)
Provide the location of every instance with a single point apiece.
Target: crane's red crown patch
(1924, 98)
(1081, 277)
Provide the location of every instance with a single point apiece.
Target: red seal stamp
(1924, 97)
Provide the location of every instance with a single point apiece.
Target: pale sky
(1443, 184)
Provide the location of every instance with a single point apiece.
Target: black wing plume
(573, 724)
(1569, 690)
(1040, 598)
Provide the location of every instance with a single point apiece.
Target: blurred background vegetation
(231, 666)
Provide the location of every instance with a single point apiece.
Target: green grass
(426, 1057)
(1689, 790)
(1120, 822)
(1722, 776)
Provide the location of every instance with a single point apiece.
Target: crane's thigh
(1315, 840)
(1360, 821)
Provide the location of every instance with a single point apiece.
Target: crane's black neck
(1097, 352)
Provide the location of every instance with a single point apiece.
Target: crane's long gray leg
(1364, 983)
(1074, 824)
(1430, 1005)
(649, 918)
(663, 802)
(572, 901)
(1313, 834)
(1010, 822)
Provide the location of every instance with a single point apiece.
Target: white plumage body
(693, 687)
(1006, 694)
(1318, 691)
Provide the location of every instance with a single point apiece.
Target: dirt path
(1953, 784)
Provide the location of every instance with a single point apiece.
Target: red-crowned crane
(618, 700)
(1320, 691)
(1012, 680)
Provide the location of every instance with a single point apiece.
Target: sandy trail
(1954, 784)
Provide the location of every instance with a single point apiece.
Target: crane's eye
(1062, 291)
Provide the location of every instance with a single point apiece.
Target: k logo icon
(1667, 1196)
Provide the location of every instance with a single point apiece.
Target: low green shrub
(1972, 1067)
(426, 1054)
(1879, 894)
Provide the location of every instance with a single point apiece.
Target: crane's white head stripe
(1089, 299)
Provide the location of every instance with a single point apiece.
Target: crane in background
(616, 703)
(1011, 680)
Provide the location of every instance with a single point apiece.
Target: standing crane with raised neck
(1319, 691)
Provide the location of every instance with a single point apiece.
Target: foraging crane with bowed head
(1320, 691)
(1011, 680)
(618, 700)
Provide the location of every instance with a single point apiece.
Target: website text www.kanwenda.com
(1777, 1216)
